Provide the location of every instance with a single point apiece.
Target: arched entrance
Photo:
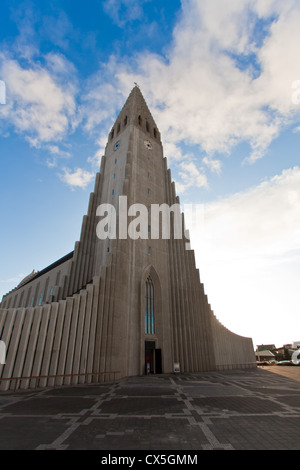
(151, 334)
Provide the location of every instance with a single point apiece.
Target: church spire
(136, 112)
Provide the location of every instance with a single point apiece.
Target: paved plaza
(230, 410)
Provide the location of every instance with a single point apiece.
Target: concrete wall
(231, 351)
(55, 339)
(46, 286)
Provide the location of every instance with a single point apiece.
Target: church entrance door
(153, 362)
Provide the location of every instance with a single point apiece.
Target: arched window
(149, 307)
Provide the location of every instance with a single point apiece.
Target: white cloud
(203, 92)
(78, 178)
(123, 11)
(248, 250)
(261, 221)
(95, 160)
(191, 175)
(56, 153)
(226, 78)
(213, 165)
(280, 66)
(101, 98)
(38, 105)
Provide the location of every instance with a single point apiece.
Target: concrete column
(22, 345)
(57, 341)
(27, 369)
(10, 337)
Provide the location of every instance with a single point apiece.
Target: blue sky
(222, 80)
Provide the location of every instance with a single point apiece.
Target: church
(124, 301)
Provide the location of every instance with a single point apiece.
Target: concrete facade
(41, 287)
(100, 299)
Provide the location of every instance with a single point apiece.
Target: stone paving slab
(232, 410)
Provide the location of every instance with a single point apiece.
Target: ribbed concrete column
(64, 342)
(73, 338)
(45, 344)
(22, 347)
(93, 328)
(11, 336)
(31, 347)
(79, 335)
(86, 333)
(57, 342)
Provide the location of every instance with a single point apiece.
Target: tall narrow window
(149, 307)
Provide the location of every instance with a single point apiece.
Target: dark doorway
(153, 362)
(158, 364)
(149, 357)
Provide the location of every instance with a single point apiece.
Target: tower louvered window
(149, 307)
